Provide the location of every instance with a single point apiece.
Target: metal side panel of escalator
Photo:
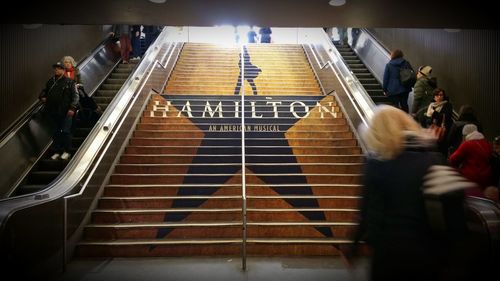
(28, 143)
(37, 230)
(47, 169)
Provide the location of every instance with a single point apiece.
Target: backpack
(89, 111)
(407, 75)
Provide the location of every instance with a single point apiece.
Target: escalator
(47, 169)
(365, 77)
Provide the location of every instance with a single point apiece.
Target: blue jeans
(62, 133)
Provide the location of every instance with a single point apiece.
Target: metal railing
(28, 114)
(31, 137)
(79, 173)
(243, 164)
(139, 90)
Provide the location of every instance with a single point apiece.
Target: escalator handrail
(27, 115)
(362, 103)
(169, 52)
(81, 162)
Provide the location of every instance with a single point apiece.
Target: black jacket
(61, 95)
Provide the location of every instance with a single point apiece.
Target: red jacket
(473, 159)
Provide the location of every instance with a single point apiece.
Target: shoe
(125, 62)
(65, 156)
(55, 156)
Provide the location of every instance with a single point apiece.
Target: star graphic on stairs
(259, 111)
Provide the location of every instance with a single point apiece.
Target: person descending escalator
(61, 102)
(89, 111)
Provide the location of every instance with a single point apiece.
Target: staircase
(365, 77)
(207, 69)
(46, 169)
(177, 189)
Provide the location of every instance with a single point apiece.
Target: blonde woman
(393, 218)
(72, 71)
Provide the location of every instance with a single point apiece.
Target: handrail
(345, 87)
(314, 70)
(169, 51)
(44, 204)
(28, 114)
(243, 164)
(31, 137)
(120, 121)
(149, 69)
(357, 94)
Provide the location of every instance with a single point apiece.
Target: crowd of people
(403, 144)
(461, 142)
(401, 149)
(394, 215)
(130, 37)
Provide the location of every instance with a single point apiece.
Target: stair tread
(210, 210)
(171, 210)
(189, 197)
(165, 224)
(125, 242)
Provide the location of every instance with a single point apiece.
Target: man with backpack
(61, 102)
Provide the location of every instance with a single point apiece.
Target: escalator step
(51, 165)
(29, 188)
(42, 177)
(371, 86)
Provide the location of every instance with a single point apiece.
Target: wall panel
(26, 56)
(466, 63)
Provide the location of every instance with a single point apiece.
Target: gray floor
(183, 269)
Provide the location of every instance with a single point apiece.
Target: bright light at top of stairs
(158, 1)
(337, 3)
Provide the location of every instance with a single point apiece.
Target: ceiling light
(337, 3)
(158, 1)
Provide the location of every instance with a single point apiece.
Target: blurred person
(495, 165)
(265, 34)
(473, 160)
(422, 92)
(466, 115)
(342, 32)
(136, 42)
(61, 101)
(393, 88)
(122, 31)
(252, 35)
(393, 216)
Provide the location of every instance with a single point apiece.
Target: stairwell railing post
(243, 174)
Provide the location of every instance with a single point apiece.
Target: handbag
(439, 131)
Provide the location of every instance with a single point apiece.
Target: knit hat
(469, 128)
(425, 70)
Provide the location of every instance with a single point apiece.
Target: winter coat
(473, 159)
(61, 95)
(392, 83)
(422, 93)
(393, 213)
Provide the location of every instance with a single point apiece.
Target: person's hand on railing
(43, 99)
(70, 113)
